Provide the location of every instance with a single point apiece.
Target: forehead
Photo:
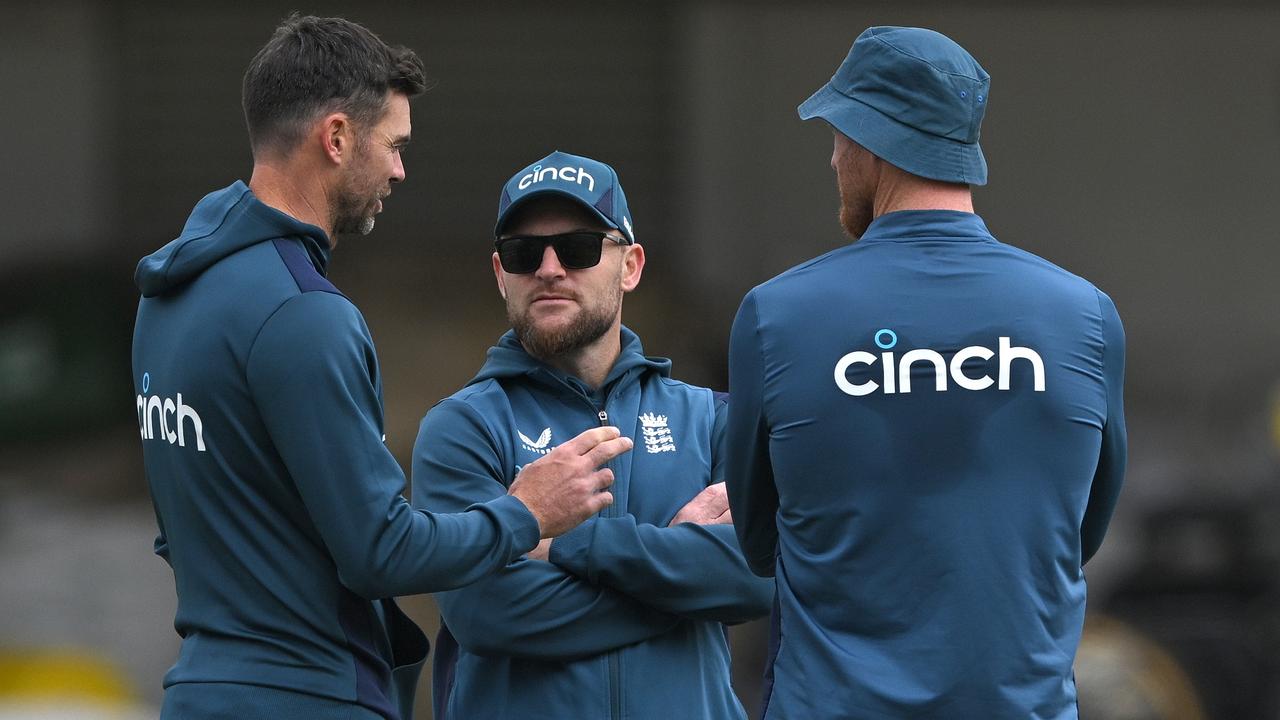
(550, 215)
(395, 116)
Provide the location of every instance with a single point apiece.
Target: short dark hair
(312, 66)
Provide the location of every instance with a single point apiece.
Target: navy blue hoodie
(625, 621)
(280, 510)
(927, 432)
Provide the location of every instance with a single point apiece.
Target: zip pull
(604, 418)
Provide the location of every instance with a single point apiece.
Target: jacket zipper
(615, 661)
(614, 656)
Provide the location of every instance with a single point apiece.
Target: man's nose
(550, 267)
(397, 169)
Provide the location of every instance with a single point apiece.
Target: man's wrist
(512, 513)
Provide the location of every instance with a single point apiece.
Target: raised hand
(564, 487)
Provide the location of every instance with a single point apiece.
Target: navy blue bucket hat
(914, 98)
(590, 183)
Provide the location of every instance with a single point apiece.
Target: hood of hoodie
(508, 359)
(223, 222)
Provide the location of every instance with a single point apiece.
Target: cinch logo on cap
(568, 174)
(897, 375)
(154, 413)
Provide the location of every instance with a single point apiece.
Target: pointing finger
(608, 450)
(585, 441)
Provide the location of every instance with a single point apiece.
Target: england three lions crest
(657, 436)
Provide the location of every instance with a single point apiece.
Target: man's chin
(354, 229)
(543, 336)
(552, 324)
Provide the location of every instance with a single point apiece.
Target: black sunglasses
(578, 250)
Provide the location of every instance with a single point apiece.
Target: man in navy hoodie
(260, 411)
(623, 616)
(927, 429)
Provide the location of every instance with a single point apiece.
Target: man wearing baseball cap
(624, 617)
(927, 432)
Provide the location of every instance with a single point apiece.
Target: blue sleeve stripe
(372, 669)
(443, 671)
(301, 268)
(775, 642)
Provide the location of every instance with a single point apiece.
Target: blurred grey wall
(58, 129)
(1134, 143)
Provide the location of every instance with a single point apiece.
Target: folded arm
(692, 568)
(531, 608)
(695, 571)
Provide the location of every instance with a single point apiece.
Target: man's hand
(563, 487)
(542, 551)
(709, 507)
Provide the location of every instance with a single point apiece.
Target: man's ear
(337, 137)
(632, 267)
(497, 274)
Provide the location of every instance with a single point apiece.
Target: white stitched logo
(565, 174)
(538, 446)
(897, 376)
(154, 413)
(657, 436)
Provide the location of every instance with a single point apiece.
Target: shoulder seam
(471, 409)
(495, 440)
(764, 361)
(327, 286)
(1102, 325)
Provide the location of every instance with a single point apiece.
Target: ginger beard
(855, 212)
(855, 169)
(548, 336)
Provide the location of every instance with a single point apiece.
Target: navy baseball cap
(914, 98)
(590, 183)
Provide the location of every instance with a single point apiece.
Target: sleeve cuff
(572, 550)
(515, 518)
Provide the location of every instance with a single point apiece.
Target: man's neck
(591, 364)
(292, 192)
(898, 190)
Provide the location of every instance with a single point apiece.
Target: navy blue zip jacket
(927, 433)
(625, 621)
(280, 508)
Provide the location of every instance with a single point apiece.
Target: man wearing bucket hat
(925, 465)
(624, 617)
